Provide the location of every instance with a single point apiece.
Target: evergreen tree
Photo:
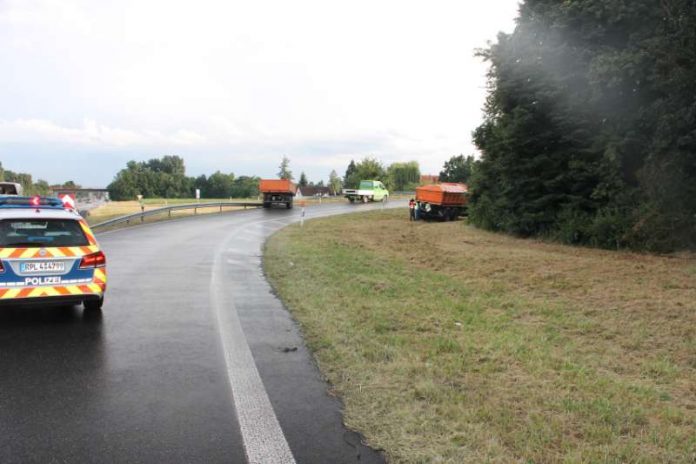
(589, 132)
(303, 180)
(349, 178)
(285, 172)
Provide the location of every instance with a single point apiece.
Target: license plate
(42, 267)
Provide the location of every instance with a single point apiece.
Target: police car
(48, 254)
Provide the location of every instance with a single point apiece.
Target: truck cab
(10, 188)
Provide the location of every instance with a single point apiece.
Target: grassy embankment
(450, 344)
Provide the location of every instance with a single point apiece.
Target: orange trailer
(442, 201)
(277, 191)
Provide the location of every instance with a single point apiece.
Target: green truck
(369, 190)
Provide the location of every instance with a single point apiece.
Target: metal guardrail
(168, 210)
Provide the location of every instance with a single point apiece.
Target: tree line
(29, 185)
(166, 178)
(397, 176)
(590, 128)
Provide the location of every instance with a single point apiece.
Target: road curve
(193, 359)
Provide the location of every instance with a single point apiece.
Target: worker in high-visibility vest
(412, 210)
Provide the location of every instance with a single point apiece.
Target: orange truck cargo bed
(444, 194)
(277, 186)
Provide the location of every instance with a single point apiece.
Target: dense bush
(590, 130)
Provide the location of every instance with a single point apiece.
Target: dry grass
(449, 344)
(117, 209)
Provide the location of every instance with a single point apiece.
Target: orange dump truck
(442, 201)
(277, 192)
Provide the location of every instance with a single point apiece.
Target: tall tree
(457, 169)
(245, 187)
(303, 180)
(367, 169)
(163, 178)
(335, 183)
(589, 131)
(349, 177)
(403, 176)
(220, 185)
(284, 169)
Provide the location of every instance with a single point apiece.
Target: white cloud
(322, 81)
(92, 133)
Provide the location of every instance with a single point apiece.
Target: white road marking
(264, 441)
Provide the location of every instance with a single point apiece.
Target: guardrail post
(170, 213)
(195, 211)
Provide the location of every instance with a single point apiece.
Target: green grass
(449, 344)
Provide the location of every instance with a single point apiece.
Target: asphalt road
(193, 359)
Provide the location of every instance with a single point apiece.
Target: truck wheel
(266, 205)
(351, 199)
(289, 205)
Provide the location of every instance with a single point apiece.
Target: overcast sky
(87, 85)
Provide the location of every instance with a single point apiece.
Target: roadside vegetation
(589, 124)
(452, 344)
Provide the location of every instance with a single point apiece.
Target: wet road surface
(192, 359)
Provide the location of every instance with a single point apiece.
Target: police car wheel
(94, 305)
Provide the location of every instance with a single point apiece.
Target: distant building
(313, 192)
(427, 179)
(86, 198)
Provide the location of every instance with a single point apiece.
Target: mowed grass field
(449, 344)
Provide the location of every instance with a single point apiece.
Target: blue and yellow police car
(48, 254)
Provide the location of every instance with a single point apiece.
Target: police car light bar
(30, 202)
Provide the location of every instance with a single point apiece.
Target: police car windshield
(32, 233)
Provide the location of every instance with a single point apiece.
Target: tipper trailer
(277, 192)
(442, 201)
